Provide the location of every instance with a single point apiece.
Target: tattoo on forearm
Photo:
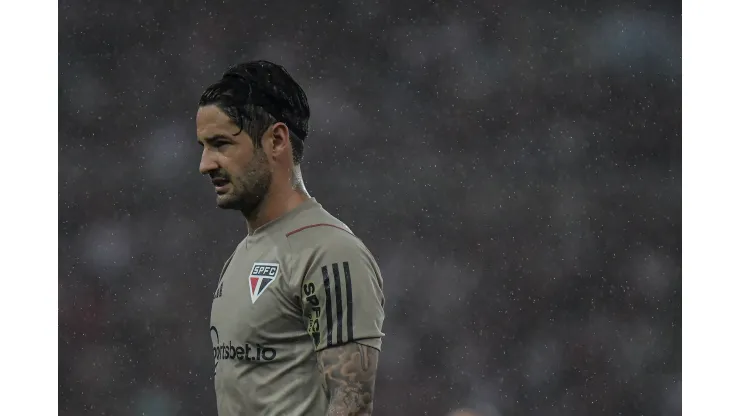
(349, 371)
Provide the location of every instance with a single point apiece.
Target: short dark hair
(256, 95)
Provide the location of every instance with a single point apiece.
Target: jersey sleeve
(342, 297)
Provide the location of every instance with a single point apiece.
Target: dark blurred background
(515, 166)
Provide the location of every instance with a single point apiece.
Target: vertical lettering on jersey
(314, 315)
(335, 305)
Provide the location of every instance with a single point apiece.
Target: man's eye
(220, 144)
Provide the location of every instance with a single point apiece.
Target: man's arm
(349, 372)
(342, 301)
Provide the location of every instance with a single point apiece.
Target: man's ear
(278, 138)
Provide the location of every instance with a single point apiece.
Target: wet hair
(255, 95)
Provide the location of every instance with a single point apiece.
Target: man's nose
(207, 162)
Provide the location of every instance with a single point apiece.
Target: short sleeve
(342, 297)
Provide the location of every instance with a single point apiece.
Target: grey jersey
(295, 286)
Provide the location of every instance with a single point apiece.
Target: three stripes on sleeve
(338, 289)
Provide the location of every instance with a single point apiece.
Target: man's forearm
(349, 371)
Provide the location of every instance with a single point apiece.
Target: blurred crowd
(515, 167)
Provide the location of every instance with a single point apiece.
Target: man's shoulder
(317, 222)
(318, 230)
(327, 231)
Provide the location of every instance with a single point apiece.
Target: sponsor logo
(240, 352)
(263, 274)
(314, 326)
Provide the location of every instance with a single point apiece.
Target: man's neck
(296, 180)
(279, 201)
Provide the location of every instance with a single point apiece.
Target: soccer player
(298, 309)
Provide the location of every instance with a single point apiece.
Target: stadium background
(514, 166)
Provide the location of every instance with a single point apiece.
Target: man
(298, 310)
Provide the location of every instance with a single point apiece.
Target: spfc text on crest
(262, 275)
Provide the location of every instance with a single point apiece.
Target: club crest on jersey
(262, 275)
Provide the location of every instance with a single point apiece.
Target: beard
(249, 188)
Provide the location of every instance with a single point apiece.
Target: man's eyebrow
(213, 138)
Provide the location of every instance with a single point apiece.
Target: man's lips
(220, 184)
